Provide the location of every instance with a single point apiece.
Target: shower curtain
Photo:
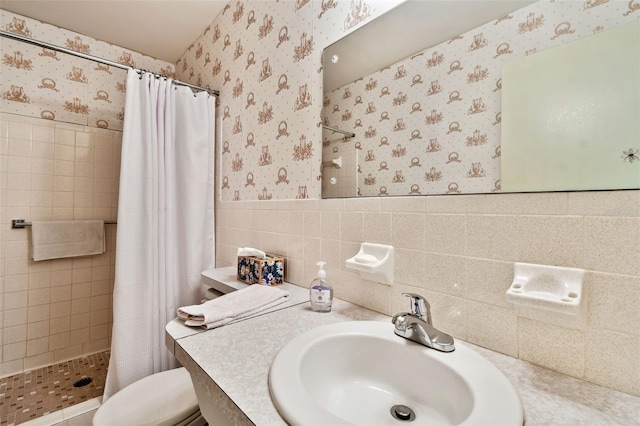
(165, 221)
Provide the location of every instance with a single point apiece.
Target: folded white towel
(235, 305)
(67, 238)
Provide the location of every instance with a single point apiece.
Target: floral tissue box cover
(265, 271)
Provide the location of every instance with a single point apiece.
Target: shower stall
(61, 122)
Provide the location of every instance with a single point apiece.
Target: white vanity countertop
(224, 280)
(234, 361)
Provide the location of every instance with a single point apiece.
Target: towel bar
(344, 132)
(20, 223)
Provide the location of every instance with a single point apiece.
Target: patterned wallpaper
(430, 124)
(265, 57)
(39, 82)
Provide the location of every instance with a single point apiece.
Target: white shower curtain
(165, 221)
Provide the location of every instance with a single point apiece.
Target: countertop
(232, 363)
(224, 281)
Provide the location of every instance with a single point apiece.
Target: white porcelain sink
(355, 372)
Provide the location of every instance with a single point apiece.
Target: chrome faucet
(416, 325)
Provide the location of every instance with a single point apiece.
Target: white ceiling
(162, 29)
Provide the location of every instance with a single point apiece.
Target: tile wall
(51, 311)
(458, 251)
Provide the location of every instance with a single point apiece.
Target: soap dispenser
(320, 293)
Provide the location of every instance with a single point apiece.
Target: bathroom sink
(360, 372)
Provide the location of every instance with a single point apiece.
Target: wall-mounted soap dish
(548, 293)
(550, 288)
(374, 262)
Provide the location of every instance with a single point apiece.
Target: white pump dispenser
(320, 293)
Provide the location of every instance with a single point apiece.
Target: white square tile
(487, 280)
(445, 234)
(611, 244)
(551, 240)
(493, 237)
(351, 227)
(613, 302)
(408, 230)
(20, 130)
(492, 327)
(43, 133)
(377, 227)
(557, 348)
(614, 366)
(444, 274)
(409, 267)
(64, 152)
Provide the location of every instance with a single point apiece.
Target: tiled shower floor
(38, 392)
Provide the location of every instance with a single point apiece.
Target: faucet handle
(419, 307)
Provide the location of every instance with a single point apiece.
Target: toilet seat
(163, 399)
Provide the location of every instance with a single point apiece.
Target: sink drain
(403, 413)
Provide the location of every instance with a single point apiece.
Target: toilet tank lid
(162, 399)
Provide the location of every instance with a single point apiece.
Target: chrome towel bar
(20, 223)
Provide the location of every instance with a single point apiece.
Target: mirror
(427, 119)
(582, 131)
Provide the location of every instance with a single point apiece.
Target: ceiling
(162, 29)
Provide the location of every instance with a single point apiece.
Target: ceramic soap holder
(549, 288)
(374, 262)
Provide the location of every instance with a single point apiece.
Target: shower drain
(82, 382)
(403, 413)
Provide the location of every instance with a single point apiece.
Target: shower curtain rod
(97, 59)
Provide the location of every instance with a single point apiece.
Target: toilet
(164, 399)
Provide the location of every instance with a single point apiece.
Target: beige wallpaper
(38, 82)
(264, 57)
(444, 103)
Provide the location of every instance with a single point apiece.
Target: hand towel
(67, 238)
(235, 305)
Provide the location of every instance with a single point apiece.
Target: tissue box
(265, 271)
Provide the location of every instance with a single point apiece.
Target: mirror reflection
(582, 130)
(431, 123)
